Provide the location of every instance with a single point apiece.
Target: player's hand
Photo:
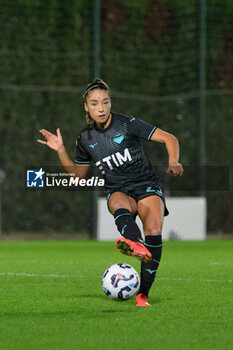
(175, 168)
(53, 141)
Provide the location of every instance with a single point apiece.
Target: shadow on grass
(152, 300)
(79, 313)
(158, 300)
(112, 306)
(91, 296)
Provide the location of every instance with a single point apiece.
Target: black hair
(96, 84)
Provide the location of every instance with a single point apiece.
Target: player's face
(98, 104)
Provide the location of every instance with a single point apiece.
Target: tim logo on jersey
(116, 159)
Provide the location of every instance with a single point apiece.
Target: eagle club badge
(118, 138)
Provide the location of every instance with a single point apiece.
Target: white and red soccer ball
(120, 281)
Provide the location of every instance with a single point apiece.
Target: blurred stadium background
(169, 62)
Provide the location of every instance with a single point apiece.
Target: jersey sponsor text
(116, 158)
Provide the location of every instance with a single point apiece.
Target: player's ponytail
(89, 120)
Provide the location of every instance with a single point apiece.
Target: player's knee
(116, 203)
(119, 205)
(153, 230)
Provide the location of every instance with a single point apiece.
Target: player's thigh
(120, 200)
(151, 212)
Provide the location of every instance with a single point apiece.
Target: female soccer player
(112, 141)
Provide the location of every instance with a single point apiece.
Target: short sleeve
(82, 156)
(140, 128)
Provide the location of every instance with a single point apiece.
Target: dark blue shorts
(140, 192)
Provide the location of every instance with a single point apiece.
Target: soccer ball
(120, 281)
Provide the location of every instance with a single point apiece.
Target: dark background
(150, 57)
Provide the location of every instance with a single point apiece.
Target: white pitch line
(221, 263)
(192, 279)
(23, 274)
(71, 262)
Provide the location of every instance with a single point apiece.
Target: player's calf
(148, 271)
(126, 225)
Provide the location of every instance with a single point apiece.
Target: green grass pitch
(51, 298)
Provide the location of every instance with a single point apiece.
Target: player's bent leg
(124, 209)
(120, 200)
(151, 210)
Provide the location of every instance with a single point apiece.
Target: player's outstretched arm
(55, 142)
(173, 150)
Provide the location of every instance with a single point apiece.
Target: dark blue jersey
(117, 151)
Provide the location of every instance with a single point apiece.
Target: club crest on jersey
(118, 138)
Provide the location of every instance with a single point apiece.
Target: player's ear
(85, 106)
